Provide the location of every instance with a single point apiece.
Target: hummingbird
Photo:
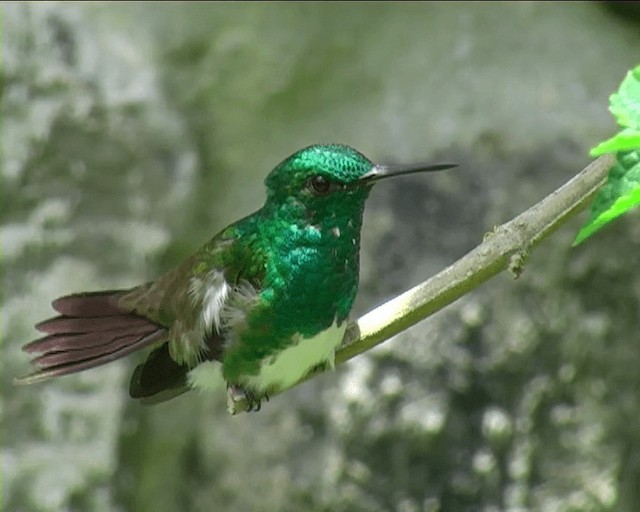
(264, 301)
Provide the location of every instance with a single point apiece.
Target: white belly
(284, 369)
(279, 371)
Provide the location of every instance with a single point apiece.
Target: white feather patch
(241, 300)
(207, 376)
(210, 294)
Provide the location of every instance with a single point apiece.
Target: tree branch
(507, 246)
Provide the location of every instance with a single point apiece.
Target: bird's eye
(319, 184)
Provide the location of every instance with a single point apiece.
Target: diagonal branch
(507, 246)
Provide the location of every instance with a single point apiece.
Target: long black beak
(380, 172)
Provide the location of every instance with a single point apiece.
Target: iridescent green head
(317, 171)
(320, 175)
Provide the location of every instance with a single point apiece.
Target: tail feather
(83, 324)
(90, 304)
(74, 367)
(75, 341)
(91, 331)
(55, 358)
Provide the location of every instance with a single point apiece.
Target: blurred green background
(131, 133)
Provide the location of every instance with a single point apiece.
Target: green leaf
(619, 195)
(622, 191)
(625, 104)
(625, 107)
(627, 140)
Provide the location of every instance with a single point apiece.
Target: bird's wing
(190, 300)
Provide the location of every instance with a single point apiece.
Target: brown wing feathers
(90, 331)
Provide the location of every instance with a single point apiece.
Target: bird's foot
(240, 399)
(320, 367)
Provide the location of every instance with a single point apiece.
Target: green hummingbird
(265, 300)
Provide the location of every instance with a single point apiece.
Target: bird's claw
(237, 397)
